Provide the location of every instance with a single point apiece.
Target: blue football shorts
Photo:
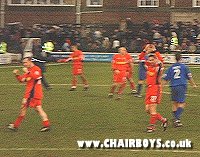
(142, 71)
(178, 93)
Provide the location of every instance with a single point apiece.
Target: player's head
(178, 56)
(122, 50)
(37, 42)
(27, 62)
(152, 59)
(74, 47)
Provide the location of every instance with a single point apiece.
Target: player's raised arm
(20, 78)
(64, 60)
(142, 56)
(159, 56)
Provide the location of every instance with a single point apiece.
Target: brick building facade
(108, 12)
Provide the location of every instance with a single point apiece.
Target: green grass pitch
(90, 115)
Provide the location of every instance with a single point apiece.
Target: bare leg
(44, 117)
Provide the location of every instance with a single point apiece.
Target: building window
(95, 3)
(15, 1)
(148, 3)
(42, 2)
(54, 1)
(69, 2)
(196, 3)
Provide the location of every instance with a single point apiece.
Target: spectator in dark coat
(40, 59)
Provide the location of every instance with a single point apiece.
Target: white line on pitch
(20, 66)
(192, 95)
(193, 67)
(57, 64)
(66, 84)
(11, 66)
(186, 94)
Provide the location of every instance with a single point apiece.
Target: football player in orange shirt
(33, 94)
(153, 92)
(149, 48)
(119, 68)
(77, 68)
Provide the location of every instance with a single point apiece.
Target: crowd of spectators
(104, 38)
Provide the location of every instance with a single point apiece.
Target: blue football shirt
(177, 74)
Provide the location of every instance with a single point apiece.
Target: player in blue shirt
(178, 75)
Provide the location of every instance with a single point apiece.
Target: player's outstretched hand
(151, 48)
(61, 60)
(16, 71)
(146, 47)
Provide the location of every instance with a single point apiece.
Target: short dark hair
(178, 56)
(74, 45)
(29, 58)
(152, 55)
